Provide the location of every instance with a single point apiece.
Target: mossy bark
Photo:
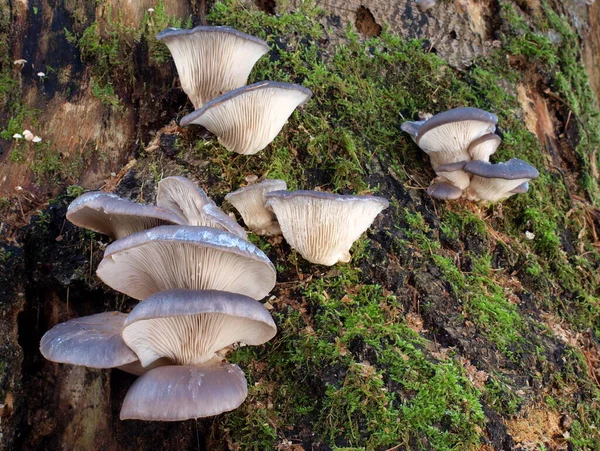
(455, 326)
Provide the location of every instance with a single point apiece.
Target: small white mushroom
(28, 135)
(495, 182)
(19, 62)
(323, 226)
(36, 139)
(17, 136)
(250, 202)
(446, 137)
(41, 74)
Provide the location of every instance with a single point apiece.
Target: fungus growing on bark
(247, 119)
(494, 182)
(186, 257)
(323, 226)
(183, 197)
(446, 137)
(250, 202)
(93, 341)
(188, 328)
(483, 147)
(177, 393)
(212, 60)
(110, 215)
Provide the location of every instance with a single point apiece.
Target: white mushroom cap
(94, 341)
(250, 202)
(446, 137)
(110, 215)
(323, 226)
(183, 197)
(186, 257)
(247, 119)
(483, 147)
(494, 182)
(454, 174)
(28, 135)
(188, 327)
(212, 60)
(176, 393)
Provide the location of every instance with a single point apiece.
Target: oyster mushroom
(247, 119)
(323, 226)
(212, 60)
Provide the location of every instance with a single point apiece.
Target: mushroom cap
(110, 215)
(176, 393)
(323, 226)
(187, 257)
(412, 128)
(188, 327)
(447, 136)
(484, 146)
(441, 189)
(212, 60)
(184, 198)
(454, 174)
(250, 202)
(247, 119)
(494, 182)
(94, 341)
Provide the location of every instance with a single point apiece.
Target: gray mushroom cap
(483, 147)
(443, 190)
(323, 226)
(212, 60)
(494, 182)
(93, 341)
(250, 202)
(247, 119)
(184, 198)
(116, 217)
(186, 257)
(446, 136)
(176, 393)
(188, 327)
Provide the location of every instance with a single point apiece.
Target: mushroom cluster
(213, 64)
(459, 143)
(199, 282)
(321, 226)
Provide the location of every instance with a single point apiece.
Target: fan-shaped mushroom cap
(188, 327)
(94, 341)
(494, 182)
(183, 197)
(212, 60)
(446, 137)
(250, 202)
(412, 128)
(110, 215)
(176, 393)
(247, 119)
(186, 257)
(454, 174)
(483, 147)
(323, 226)
(444, 190)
